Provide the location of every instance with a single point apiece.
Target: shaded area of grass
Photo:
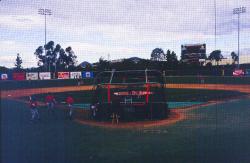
(218, 133)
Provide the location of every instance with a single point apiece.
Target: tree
(209, 64)
(171, 58)
(235, 57)
(103, 64)
(167, 55)
(71, 57)
(216, 56)
(62, 59)
(51, 53)
(157, 54)
(41, 58)
(55, 56)
(49, 58)
(18, 62)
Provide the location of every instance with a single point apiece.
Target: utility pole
(45, 12)
(108, 57)
(215, 26)
(238, 11)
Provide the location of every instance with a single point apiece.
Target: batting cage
(130, 95)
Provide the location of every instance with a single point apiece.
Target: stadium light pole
(238, 11)
(215, 25)
(45, 12)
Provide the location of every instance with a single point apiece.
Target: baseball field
(215, 130)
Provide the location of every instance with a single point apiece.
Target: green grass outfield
(218, 133)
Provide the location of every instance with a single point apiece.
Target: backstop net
(132, 95)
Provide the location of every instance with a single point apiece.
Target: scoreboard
(192, 53)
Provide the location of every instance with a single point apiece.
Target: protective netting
(133, 95)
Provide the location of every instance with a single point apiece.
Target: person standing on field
(33, 109)
(94, 109)
(50, 101)
(70, 102)
(115, 109)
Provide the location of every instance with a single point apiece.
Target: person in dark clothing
(70, 102)
(115, 110)
(50, 102)
(33, 109)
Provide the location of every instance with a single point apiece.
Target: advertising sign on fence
(4, 76)
(247, 72)
(44, 75)
(238, 72)
(63, 75)
(75, 75)
(87, 74)
(18, 76)
(32, 76)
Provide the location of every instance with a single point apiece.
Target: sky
(120, 28)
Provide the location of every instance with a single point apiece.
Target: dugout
(132, 95)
